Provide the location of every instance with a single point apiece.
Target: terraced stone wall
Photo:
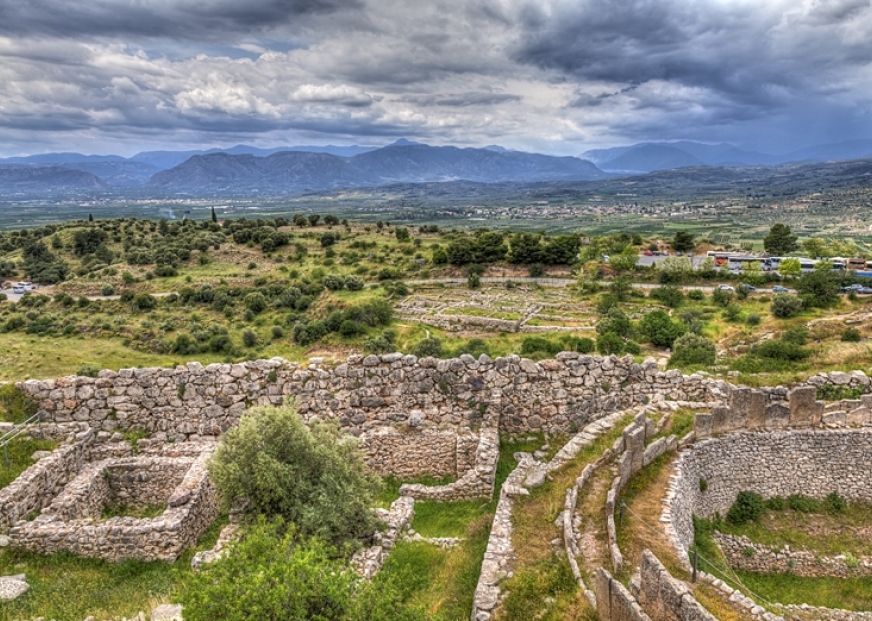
(774, 463)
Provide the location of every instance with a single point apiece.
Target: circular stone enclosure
(779, 463)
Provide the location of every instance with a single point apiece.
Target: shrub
(615, 321)
(660, 329)
(334, 282)
(312, 476)
(107, 290)
(430, 346)
(693, 349)
(697, 295)
(668, 295)
(732, 311)
(722, 297)
(272, 574)
(748, 507)
(249, 337)
(255, 302)
(753, 319)
(780, 350)
(354, 283)
(785, 306)
(835, 504)
(797, 335)
(803, 504)
(777, 503)
(609, 343)
(851, 335)
(143, 302)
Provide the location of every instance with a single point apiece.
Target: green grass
(66, 587)
(449, 519)
(847, 593)
(20, 450)
(825, 534)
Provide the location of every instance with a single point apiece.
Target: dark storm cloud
(749, 52)
(185, 19)
(462, 100)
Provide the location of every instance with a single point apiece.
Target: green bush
(798, 335)
(668, 295)
(615, 321)
(270, 574)
(722, 297)
(312, 476)
(748, 507)
(609, 343)
(256, 302)
(431, 346)
(785, 306)
(835, 504)
(249, 337)
(776, 503)
(691, 349)
(803, 504)
(697, 295)
(660, 329)
(780, 350)
(851, 335)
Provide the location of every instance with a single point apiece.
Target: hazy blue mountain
(61, 158)
(295, 171)
(847, 150)
(45, 177)
(124, 173)
(169, 159)
(650, 157)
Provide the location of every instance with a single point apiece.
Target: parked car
(854, 287)
(780, 289)
(18, 289)
(726, 288)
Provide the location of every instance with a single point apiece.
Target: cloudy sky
(557, 76)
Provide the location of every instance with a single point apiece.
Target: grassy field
(65, 587)
(19, 452)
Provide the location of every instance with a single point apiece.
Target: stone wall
(41, 482)
(192, 401)
(665, 598)
(614, 602)
(72, 521)
(415, 453)
(773, 463)
(742, 553)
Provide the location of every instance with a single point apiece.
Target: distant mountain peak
(404, 142)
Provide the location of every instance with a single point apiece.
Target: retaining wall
(775, 463)
(192, 401)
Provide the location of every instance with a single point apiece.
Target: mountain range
(651, 156)
(299, 169)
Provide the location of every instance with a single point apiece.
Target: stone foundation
(73, 522)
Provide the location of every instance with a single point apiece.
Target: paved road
(561, 282)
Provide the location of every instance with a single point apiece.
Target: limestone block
(725, 419)
(805, 410)
(776, 415)
(860, 416)
(702, 426)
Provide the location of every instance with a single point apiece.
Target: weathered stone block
(805, 410)
(776, 415)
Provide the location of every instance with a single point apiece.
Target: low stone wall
(743, 553)
(477, 482)
(635, 455)
(369, 561)
(614, 602)
(37, 486)
(665, 598)
(69, 522)
(775, 463)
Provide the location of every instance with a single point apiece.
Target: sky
(553, 76)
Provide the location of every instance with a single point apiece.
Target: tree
(310, 475)
(675, 269)
(819, 288)
(214, 215)
(313, 219)
(780, 241)
(660, 329)
(525, 248)
(430, 346)
(692, 349)
(790, 267)
(402, 234)
(815, 247)
(90, 217)
(625, 260)
(683, 241)
(616, 322)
